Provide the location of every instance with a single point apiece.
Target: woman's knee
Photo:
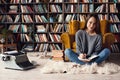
(107, 51)
(67, 51)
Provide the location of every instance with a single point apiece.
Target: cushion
(73, 27)
(104, 26)
(82, 25)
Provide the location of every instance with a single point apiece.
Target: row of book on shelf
(29, 18)
(115, 48)
(70, 8)
(55, 18)
(41, 47)
(39, 28)
(40, 38)
(43, 18)
(91, 8)
(42, 8)
(71, 1)
(17, 1)
(38, 8)
(29, 1)
(115, 28)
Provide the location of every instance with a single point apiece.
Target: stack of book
(57, 55)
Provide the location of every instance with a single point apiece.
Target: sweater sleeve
(98, 45)
(79, 42)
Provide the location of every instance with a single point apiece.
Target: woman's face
(91, 24)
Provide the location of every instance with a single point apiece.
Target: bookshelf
(38, 24)
(114, 17)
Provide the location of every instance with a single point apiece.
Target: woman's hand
(82, 56)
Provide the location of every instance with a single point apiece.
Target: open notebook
(89, 59)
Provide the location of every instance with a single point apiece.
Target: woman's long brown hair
(97, 29)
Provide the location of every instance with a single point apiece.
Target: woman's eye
(90, 22)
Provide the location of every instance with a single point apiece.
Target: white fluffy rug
(73, 68)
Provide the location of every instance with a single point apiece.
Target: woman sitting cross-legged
(88, 43)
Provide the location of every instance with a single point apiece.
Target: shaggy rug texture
(73, 68)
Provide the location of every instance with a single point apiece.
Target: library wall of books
(38, 24)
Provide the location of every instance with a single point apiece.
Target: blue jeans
(103, 55)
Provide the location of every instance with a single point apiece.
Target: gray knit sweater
(89, 44)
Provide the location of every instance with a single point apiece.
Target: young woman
(88, 43)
